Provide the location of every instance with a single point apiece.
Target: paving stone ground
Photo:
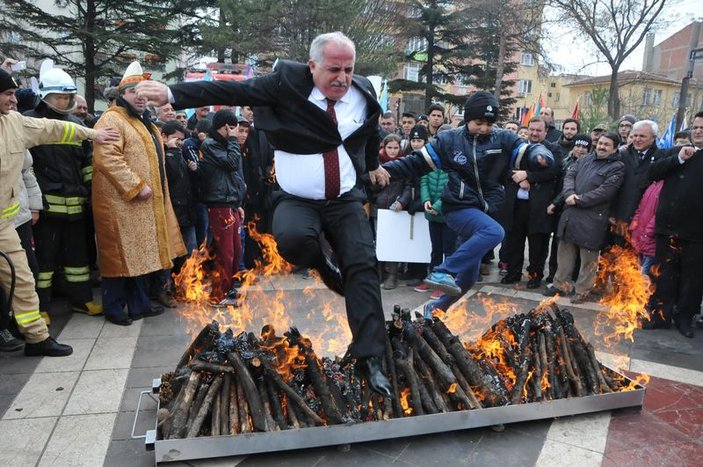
(80, 410)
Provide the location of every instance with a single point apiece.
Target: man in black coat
(527, 195)
(323, 124)
(679, 234)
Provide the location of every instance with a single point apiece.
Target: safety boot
(89, 308)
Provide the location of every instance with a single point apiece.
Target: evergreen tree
(469, 43)
(263, 30)
(92, 39)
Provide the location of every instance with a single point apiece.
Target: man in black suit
(323, 124)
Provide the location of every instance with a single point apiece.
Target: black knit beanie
(7, 81)
(481, 105)
(223, 117)
(419, 132)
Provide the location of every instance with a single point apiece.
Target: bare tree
(616, 27)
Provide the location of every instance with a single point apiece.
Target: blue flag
(383, 98)
(667, 139)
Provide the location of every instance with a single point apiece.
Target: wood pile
(226, 384)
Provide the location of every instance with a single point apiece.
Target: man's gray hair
(647, 123)
(318, 44)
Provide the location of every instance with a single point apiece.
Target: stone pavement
(79, 410)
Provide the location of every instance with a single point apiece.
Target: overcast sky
(577, 55)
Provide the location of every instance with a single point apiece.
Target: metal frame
(174, 450)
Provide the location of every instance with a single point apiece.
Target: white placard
(403, 238)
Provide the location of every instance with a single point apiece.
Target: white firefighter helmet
(58, 82)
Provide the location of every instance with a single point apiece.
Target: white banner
(403, 238)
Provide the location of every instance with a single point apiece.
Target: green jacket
(432, 185)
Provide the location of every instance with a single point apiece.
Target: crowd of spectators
(212, 174)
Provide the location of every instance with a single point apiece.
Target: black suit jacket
(282, 110)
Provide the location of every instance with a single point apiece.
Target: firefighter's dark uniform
(64, 171)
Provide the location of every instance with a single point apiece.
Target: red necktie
(331, 160)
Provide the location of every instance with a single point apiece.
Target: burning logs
(226, 384)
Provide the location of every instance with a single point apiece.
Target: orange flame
(452, 388)
(640, 380)
(405, 401)
(626, 302)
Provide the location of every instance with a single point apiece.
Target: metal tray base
(174, 450)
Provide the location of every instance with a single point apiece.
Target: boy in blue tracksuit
(477, 159)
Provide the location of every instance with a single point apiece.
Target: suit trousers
(297, 226)
(680, 280)
(25, 302)
(538, 244)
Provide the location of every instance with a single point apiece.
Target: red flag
(575, 113)
(528, 116)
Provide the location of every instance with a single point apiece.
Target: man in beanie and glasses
(477, 158)
(18, 133)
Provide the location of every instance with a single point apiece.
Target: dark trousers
(479, 233)
(680, 280)
(297, 226)
(62, 242)
(130, 291)
(260, 219)
(24, 231)
(538, 244)
(202, 227)
(443, 241)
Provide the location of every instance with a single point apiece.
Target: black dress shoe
(510, 279)
(331, 276)
(47, 348)
(155, 310)
(685, 330)
(534, 283)
(370, 369)
(120, 321)
(655, 324)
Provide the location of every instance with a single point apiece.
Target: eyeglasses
(625, 124)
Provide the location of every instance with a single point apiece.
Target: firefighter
(64, 172)
(16, 134)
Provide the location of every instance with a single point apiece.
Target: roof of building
(624, 76)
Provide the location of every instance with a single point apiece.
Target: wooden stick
(180, 416)
(256, 406)
(276, 407)
(200, 365)
(393, 373)
(244, 422)
(197, 403)
(205, 407)
(233, 407)
(216, 415)
(430, 385)
(322, 390)
(291, 412)
(225, 404)
(493, 388)
(575, 380)
(290, 393)
(263, 392)
(206, 334)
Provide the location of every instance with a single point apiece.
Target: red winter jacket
(642, 225)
